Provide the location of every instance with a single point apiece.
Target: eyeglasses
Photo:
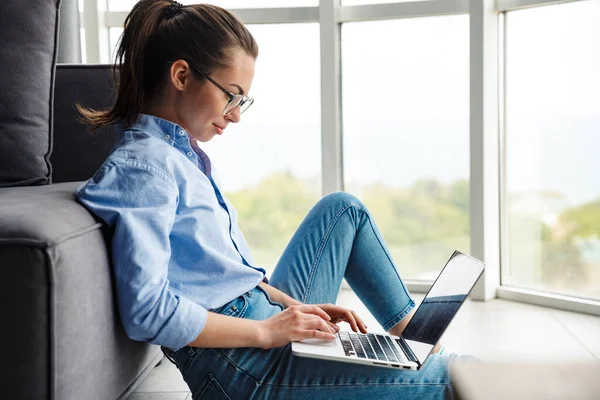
(235, 100)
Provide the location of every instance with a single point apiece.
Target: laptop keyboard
(371, 346)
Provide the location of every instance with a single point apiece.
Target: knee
(342, 199)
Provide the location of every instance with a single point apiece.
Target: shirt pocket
(210, 389)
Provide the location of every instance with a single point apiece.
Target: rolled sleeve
(183, 327)
(138, 202)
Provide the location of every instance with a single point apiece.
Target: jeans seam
(389, 257)
(190, 358)
(411, 304)
(324, 239)
(237, 368)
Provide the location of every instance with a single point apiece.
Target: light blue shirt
(177, 250)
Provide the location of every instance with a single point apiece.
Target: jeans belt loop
(168, 353)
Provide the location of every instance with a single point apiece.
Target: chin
(202, 137)
(206, 137)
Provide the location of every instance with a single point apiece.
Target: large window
(552, 188)
(406, 134)
(406, 95)
(270, 163)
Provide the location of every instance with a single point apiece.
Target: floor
(498, 330)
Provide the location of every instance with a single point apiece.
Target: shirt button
(181, 133)
(189, 153)
(167, 137)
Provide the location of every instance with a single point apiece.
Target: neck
(162, 110)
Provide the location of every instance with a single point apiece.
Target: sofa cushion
(62, 335)
(28, 58)
(76, 153)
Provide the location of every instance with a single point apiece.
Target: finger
(316, 310)
(318, 323)
(343, 314)
(316, 334)
(314, 329)
(349, 317)
(334, 326)
(360, 322)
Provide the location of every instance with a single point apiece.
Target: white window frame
(484, 144)
(508, 292)
(512, 5)
(90, 21)
(486, 20)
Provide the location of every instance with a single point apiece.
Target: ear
(180, 74)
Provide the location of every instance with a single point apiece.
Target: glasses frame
(231, 96)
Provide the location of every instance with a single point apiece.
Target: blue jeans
(337, 239)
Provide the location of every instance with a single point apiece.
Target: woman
(185, 277)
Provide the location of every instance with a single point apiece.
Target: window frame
(487, 135)
(507, 291)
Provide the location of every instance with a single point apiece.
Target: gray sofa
(60, 332)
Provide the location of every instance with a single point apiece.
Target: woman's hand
(297, 322)
(339, 314)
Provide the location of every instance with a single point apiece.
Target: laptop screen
(441, 303)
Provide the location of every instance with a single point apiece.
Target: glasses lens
(233, 103)
(246, 105)
(238, 101)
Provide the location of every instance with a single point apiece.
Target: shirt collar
(162, 129)
(176, 136)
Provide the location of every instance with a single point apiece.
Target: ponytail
(156, 33)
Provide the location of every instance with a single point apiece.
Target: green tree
(561, 260)
(422, 223)
(269, 213)
(583, 221)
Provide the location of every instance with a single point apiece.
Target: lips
(218, 129)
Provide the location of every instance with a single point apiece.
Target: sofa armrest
(61, 333)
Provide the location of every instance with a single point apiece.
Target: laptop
(428, 324)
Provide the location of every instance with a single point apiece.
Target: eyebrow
(239, 88)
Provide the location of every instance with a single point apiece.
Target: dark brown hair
(156, 33)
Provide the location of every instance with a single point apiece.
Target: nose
(235, 115)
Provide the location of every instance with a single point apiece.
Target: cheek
(200, 110)
(199, 114)
(208, 107)
(217, 103)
